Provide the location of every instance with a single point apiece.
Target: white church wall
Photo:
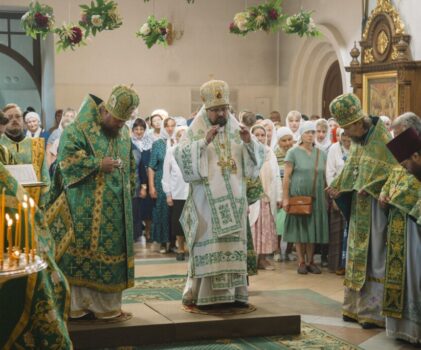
(164, 77)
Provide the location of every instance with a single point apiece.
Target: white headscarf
(296, 134)
(266, 123)
(162, 112)
(305, 126)
(283, 131)
(180, 121)
(32, 115)
(270, 178)
(163, 134)
(145, 142)
(151, 131)
(326, 143)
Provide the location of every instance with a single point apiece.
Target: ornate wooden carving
(385, 49)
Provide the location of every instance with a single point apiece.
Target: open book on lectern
(24, 174)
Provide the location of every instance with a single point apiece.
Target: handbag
(303, 205)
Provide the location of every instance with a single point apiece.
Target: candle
(18, 225)
(25, 215)
(17, 216)
(9, 238)
(33, 245)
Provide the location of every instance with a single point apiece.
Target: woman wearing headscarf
(263, 212)
(176, 191)
(270, 132)
(33, 125)
(141, 144)
(160, 213)
(285, 139)
(293, 121)
(157, 116)
(323, 141)
(306, 230)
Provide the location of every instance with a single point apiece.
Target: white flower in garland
(145, 29)
(241, 21)
(96, 20)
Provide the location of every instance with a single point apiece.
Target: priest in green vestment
(403, 277)
(216, 156)
(98, 174)
(356, 191)
(33, 309)
(26, 150)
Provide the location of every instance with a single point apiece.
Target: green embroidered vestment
(34, 309)
(366, 169)
(31, 151)
(402, 189)
(97, 251)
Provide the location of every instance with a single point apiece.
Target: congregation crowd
(323, 186)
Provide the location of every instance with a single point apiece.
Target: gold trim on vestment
(38, 154)
(97, 209)
(94, 255)
(26, 314)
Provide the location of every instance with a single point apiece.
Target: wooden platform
(165, 322)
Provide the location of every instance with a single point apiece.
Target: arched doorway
(311, 64)
(332, 87)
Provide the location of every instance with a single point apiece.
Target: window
(20, 64)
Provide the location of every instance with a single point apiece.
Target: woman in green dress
(160, 211)
(306, 230)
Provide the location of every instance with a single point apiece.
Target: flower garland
(266, 17)
(39, 19)
(100, 16)
(154, 31)
(70, 37)
(301, 24)
(270, 17)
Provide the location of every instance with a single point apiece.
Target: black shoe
(368, 325)
(348, 319)
(205, 307)
(239, 305)
(180, 257)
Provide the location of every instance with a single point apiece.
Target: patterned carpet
(170, 287)
(161, 288)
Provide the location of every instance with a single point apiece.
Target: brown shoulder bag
(303, 205)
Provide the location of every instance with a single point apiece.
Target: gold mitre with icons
(215, 93)
(122, 102)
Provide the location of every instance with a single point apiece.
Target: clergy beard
(15, 136)
(221, 121)
(110, 132)
(358, 140)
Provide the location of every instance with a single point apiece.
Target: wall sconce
(173, 34)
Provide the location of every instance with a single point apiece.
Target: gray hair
(408, 120)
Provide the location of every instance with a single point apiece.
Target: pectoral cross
(228, 166)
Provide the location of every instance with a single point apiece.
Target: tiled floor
(285, 277)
